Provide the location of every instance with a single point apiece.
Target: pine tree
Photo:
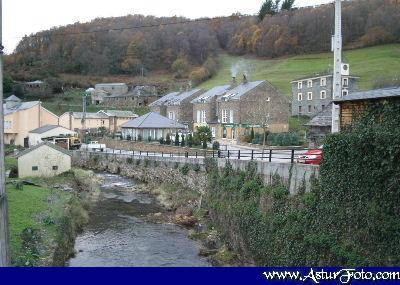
(287, 5)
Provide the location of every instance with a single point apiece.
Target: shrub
(185, 169)
(146, 163)
(129, 160)
(149, 139)
(139, 138)
(176, 139)
(182, 140)
(176, 165)
(196, 167)
(189, 140)
(161, 141)
(204, 144)
(168, 140)
(13, 172)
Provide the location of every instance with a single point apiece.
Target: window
(345, 82)
(231, 116)
(171, 115)
(300, 110)
(35, 168)
(323, 94)
(309, 96)
(198, 118)
(55, 167)
(7, 125)
(323, 81)
(309, 108)
(299, 85)
(300, 97)
(213, 132)
(323, 107)
(345, 92)
(203, 116)
(224, 116)
(309, 83)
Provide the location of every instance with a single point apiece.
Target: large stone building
(103, 90)
(177, 106)
(311, 95)
(140, 96)
(43, 160)
(151, 126)
(22, 117)
(250, 105)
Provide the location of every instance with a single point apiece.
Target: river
(118, 234)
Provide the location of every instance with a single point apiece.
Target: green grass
(28, 208)
(368, 63)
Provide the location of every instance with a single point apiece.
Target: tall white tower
(337, 75)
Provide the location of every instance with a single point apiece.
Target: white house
(47, 132)
(43, 160)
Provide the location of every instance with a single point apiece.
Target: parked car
(312, 156)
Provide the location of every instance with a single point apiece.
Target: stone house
(250, 105)
(140, 96)
(311, 95)
(37, 136)
(103, 90)
(22, 117)
(159, 106)
(355, 104)
(152, 125)
(43, 160)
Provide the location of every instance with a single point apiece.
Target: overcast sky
(23, 17)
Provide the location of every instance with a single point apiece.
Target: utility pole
(4, 233)
(337, 76)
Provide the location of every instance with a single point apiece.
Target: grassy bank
(42, 218)
(368, 63)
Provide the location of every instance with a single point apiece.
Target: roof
(322, 119)
(20, 107)
(316, 76)
(53, 146)
(153, 121)
(118, 113)
(240, 90)
(211, 94)
(176, 100)
(121, 95)
(110, 84)
(44, 129)
(13, 98)
(35, 82)
(79, 115)
(163, 99)
(371, 94)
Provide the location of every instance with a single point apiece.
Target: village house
(152, 125)
(140, 96)
(250, 105)
(311, 95)
(355, 104)
(103, 90)
(48, 132)
(159, 106)
(205, 107)
(43, 160)
(22, 117)
(76, 121)
(116, 118)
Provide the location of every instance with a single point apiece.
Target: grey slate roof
(240, 90)
(371, 94)
(21, 107)
(119, 113)
(211, 94)
(110, 84)
(60, 149)
(79, 115)
(176, 100)
(152, 121)
(44, 129)
(322, 119)
(13, 98)
(163, 99)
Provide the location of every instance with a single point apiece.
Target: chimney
(245, 79)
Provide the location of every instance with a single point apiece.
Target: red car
(312, 156)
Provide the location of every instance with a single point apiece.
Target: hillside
(368, 63)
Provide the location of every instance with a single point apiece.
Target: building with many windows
(311, 95)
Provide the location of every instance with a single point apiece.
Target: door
(26, 142)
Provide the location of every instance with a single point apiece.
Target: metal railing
(270, 155)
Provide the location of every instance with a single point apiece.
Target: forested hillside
(136, 44)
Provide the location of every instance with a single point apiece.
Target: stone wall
(297, 177)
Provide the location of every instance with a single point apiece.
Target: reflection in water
(118, 236)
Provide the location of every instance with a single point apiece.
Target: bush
(176, 139)
(149, 139)
(189, 139)
(204, 145)
(185, 169)
(183, 141)
(139, 138)
(13, 172)
(168, 140)
(129, 160)
(161, 141)
(196, 167)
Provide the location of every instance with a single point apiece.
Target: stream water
(118, 235)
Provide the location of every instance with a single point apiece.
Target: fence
(291, 155)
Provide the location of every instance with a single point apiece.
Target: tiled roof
(119, 113)
(44, 129)
(177, 99)
(240, 90)
(211, 94)
(110, 84)
(322, 119)
(153, 121)
(163, 99)
(371, 94)
(53, 146)
(79, 115)
(20, 107)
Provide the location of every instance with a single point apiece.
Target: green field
(368, 63)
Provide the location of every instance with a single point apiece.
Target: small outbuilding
(43, 160)
(48, 132)
(151, 125)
